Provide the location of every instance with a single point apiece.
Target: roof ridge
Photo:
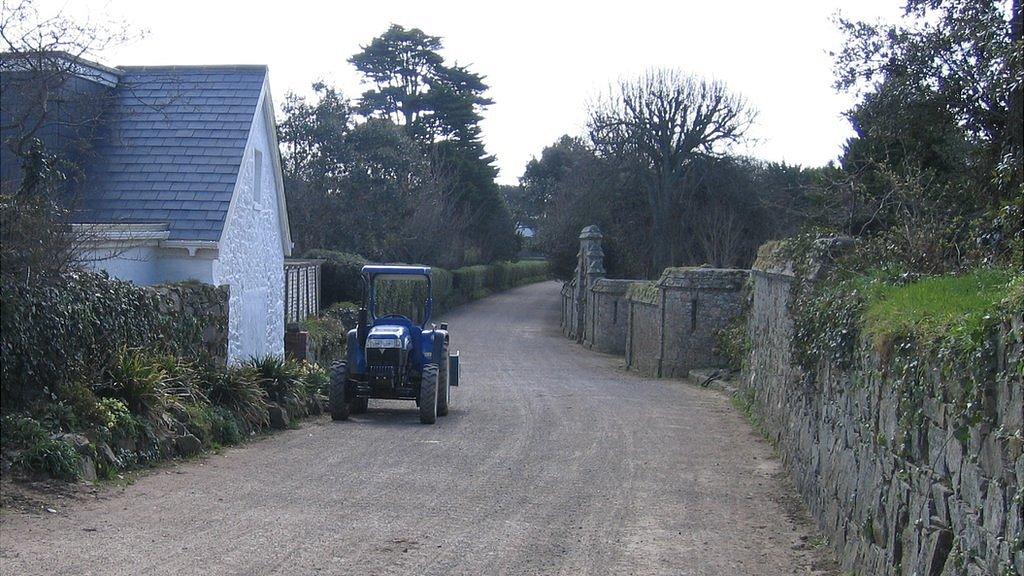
(263, 67)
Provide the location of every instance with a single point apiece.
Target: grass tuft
(931, 308)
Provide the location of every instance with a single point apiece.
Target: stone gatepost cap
(591, 232)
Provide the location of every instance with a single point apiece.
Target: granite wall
(896, 493)
(673, 323)
(204, 304)
(607, 316)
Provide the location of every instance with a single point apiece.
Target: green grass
(933, 307)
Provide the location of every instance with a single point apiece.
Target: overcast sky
(543, 60)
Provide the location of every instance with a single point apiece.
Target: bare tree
(52, 101)
(48, 83)
(662, 121)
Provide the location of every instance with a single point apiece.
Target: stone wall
(205, 304)
(663, 328)
(607, 316)
(673, 323)
(894, 499)
(589, 269)
(643, 328)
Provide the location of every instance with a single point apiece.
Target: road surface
(552, 461)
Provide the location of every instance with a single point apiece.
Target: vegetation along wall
(56, 334)
(898, 410)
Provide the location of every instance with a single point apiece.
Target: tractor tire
(428, 394)
(444, 391)
(359, 405)
(337, 402)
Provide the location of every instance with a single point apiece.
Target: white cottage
(185, 184)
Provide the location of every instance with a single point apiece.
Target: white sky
(544, 60)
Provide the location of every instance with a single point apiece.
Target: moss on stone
(646, 292)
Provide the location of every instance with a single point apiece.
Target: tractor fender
(355, 354)
(433, 341)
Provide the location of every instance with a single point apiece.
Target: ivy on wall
(56, 333)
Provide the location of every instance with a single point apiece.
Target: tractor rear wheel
(444, 392)
(337, 402)
(428, 394)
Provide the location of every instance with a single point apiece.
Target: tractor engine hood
(389, 337)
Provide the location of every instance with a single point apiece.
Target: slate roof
(172, 148)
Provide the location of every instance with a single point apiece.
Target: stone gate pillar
(589, 268)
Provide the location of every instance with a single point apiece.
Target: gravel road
(552, 461)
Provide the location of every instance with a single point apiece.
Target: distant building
(184, 182)
(525, 231)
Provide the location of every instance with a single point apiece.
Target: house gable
(253, 244)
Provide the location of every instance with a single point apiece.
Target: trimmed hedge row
(341, 282)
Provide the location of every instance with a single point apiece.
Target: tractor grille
(383, 366)
(382, 371)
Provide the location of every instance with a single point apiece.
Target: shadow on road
(394, 417)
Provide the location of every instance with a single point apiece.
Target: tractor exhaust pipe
(362, 326)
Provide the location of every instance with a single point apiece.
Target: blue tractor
(394, 356)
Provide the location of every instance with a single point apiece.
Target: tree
(937, 166)
(960, 62)
(440, 107)
(661, 123)
(415, 88)
(49, 118)
(360, 187)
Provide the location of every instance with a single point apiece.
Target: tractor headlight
(383, 343)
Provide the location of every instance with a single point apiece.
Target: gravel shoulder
(552, 461)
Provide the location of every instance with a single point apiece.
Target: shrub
(36, 451)
(117, 421)
(225, 427)
(328, 337)
(733, 343)
(19, 432)
(50, 457)
(281, 378)
(470, 282)
(237, 390)
(315, 380)
(143, 386)
(213, 425)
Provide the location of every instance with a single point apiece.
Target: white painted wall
(148, 265)
(175, 265)
(251, 256)
(135, 263)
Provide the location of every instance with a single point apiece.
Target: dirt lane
(553, 461)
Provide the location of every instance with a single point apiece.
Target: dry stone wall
(893, 498)
(203, 303)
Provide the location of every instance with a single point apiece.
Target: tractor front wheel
(337, 401)
(428, 394)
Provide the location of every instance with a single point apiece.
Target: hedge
(52, 333)
(341, 282)
(340, 276)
